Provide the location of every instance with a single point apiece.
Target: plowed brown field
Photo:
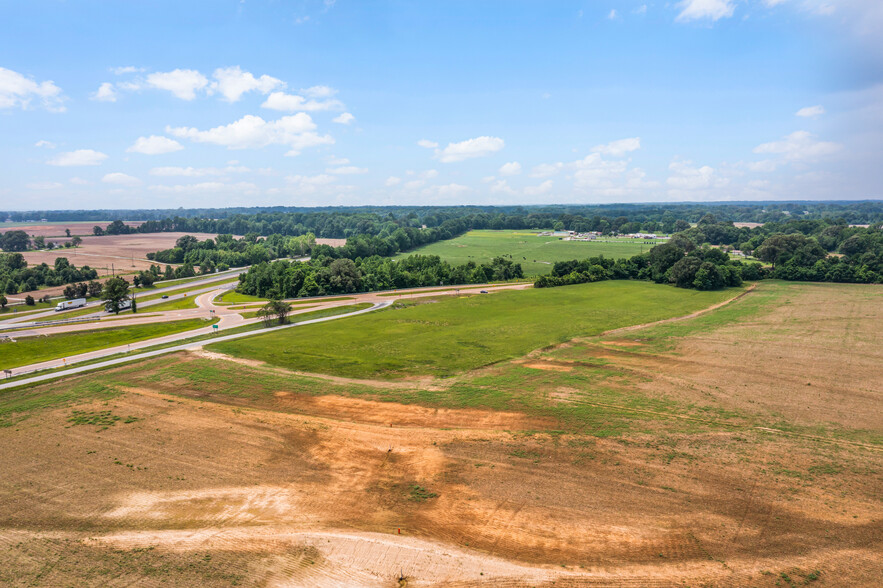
(221, 473)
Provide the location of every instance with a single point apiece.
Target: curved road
(207, 309)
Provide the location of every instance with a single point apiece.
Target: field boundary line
(684, 317)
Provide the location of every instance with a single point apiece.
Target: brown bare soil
(814, 358)
(315, 482)
(126, 253)
(331, 242)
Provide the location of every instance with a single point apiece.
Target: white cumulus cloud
(470, 148)
(154, 145)
(78, 158)
(344, 119)
(427, 144)
(393, 181)
(539, 190)
(544, 170)
(513, 168)
(346, 170)
(46, 144)
(253, 132)
(294, 103)
(618, 148)
(713, 10)
(43, 185)
(232, 83)
(120, 179)
(799, 145)
(320, 92)
(203, 187)
(17, 90)
(196, 172)
(105, 93)
(183, 83)
(686, 177)
(811, 111)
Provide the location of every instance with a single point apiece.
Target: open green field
(234, 297)
(175, 304)
(445, 336)
(321, 313)
(28, 350)
(535, 254)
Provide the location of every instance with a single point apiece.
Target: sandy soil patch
(305, 500)
(331, 242)
(549, 365)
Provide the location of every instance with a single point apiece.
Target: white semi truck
(75, 303)
(123, 305)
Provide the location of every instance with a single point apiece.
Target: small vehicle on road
(164, 296)
(484, 291)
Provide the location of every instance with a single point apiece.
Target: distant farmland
(536, 254)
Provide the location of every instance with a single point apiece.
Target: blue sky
(312, 102)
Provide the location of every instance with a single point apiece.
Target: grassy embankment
(29, 350)
(535, 254)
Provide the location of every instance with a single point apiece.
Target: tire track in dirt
(684, 317)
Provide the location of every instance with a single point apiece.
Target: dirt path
(681, 318)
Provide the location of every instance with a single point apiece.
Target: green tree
(67, 232)
(29, 300)
(344, 276)
(3, 301)
(75, 242)
(275, 308)
(94, 288)
(15, 241)
(116, 291)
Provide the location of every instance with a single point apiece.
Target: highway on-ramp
(207, 309)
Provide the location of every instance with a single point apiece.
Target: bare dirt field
(126, 253)
(57, 229)
(331, 242)
(814, 356)
(219, 472)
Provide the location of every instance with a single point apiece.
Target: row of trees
(16, 276)
(18, 240)
(321, 276)
(686, 264)
(704, 268)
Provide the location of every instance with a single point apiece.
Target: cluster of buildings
(592, 235)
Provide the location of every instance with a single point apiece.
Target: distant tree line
(852, 212)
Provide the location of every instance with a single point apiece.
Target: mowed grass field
(535, 254)
(447, 335)
(28, 350)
